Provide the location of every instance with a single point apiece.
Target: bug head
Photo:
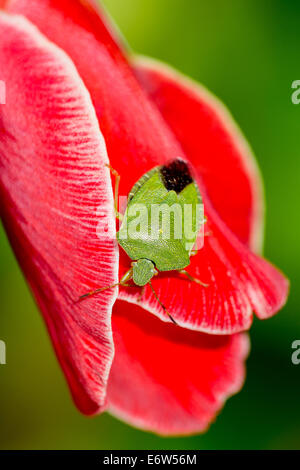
(143, 271)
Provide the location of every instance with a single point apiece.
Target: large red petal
(53, 184)
(135, 134)
(167, 379)
(137, 138)
(238, 282)
(214, 145)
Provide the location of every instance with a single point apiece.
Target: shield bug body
(161, 224)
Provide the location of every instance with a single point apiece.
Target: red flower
(165, 378)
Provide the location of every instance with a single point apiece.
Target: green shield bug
(161, 224)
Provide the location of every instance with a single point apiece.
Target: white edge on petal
(154, 308)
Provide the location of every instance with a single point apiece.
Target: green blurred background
(247, 53)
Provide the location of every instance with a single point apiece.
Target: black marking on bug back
(176, 175)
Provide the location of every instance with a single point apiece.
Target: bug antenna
(123, 282)
(161, 304)
(93, 292)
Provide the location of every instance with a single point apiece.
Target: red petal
(239, 281)
(214, 145)
(167, 379)
(138, 138)
(135, 134)
(53, 182)
(110, 86)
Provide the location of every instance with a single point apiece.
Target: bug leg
(123, 282)
(127, 276)
(192, 279)
(161, 304)
(141, 294)
(117, 184)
